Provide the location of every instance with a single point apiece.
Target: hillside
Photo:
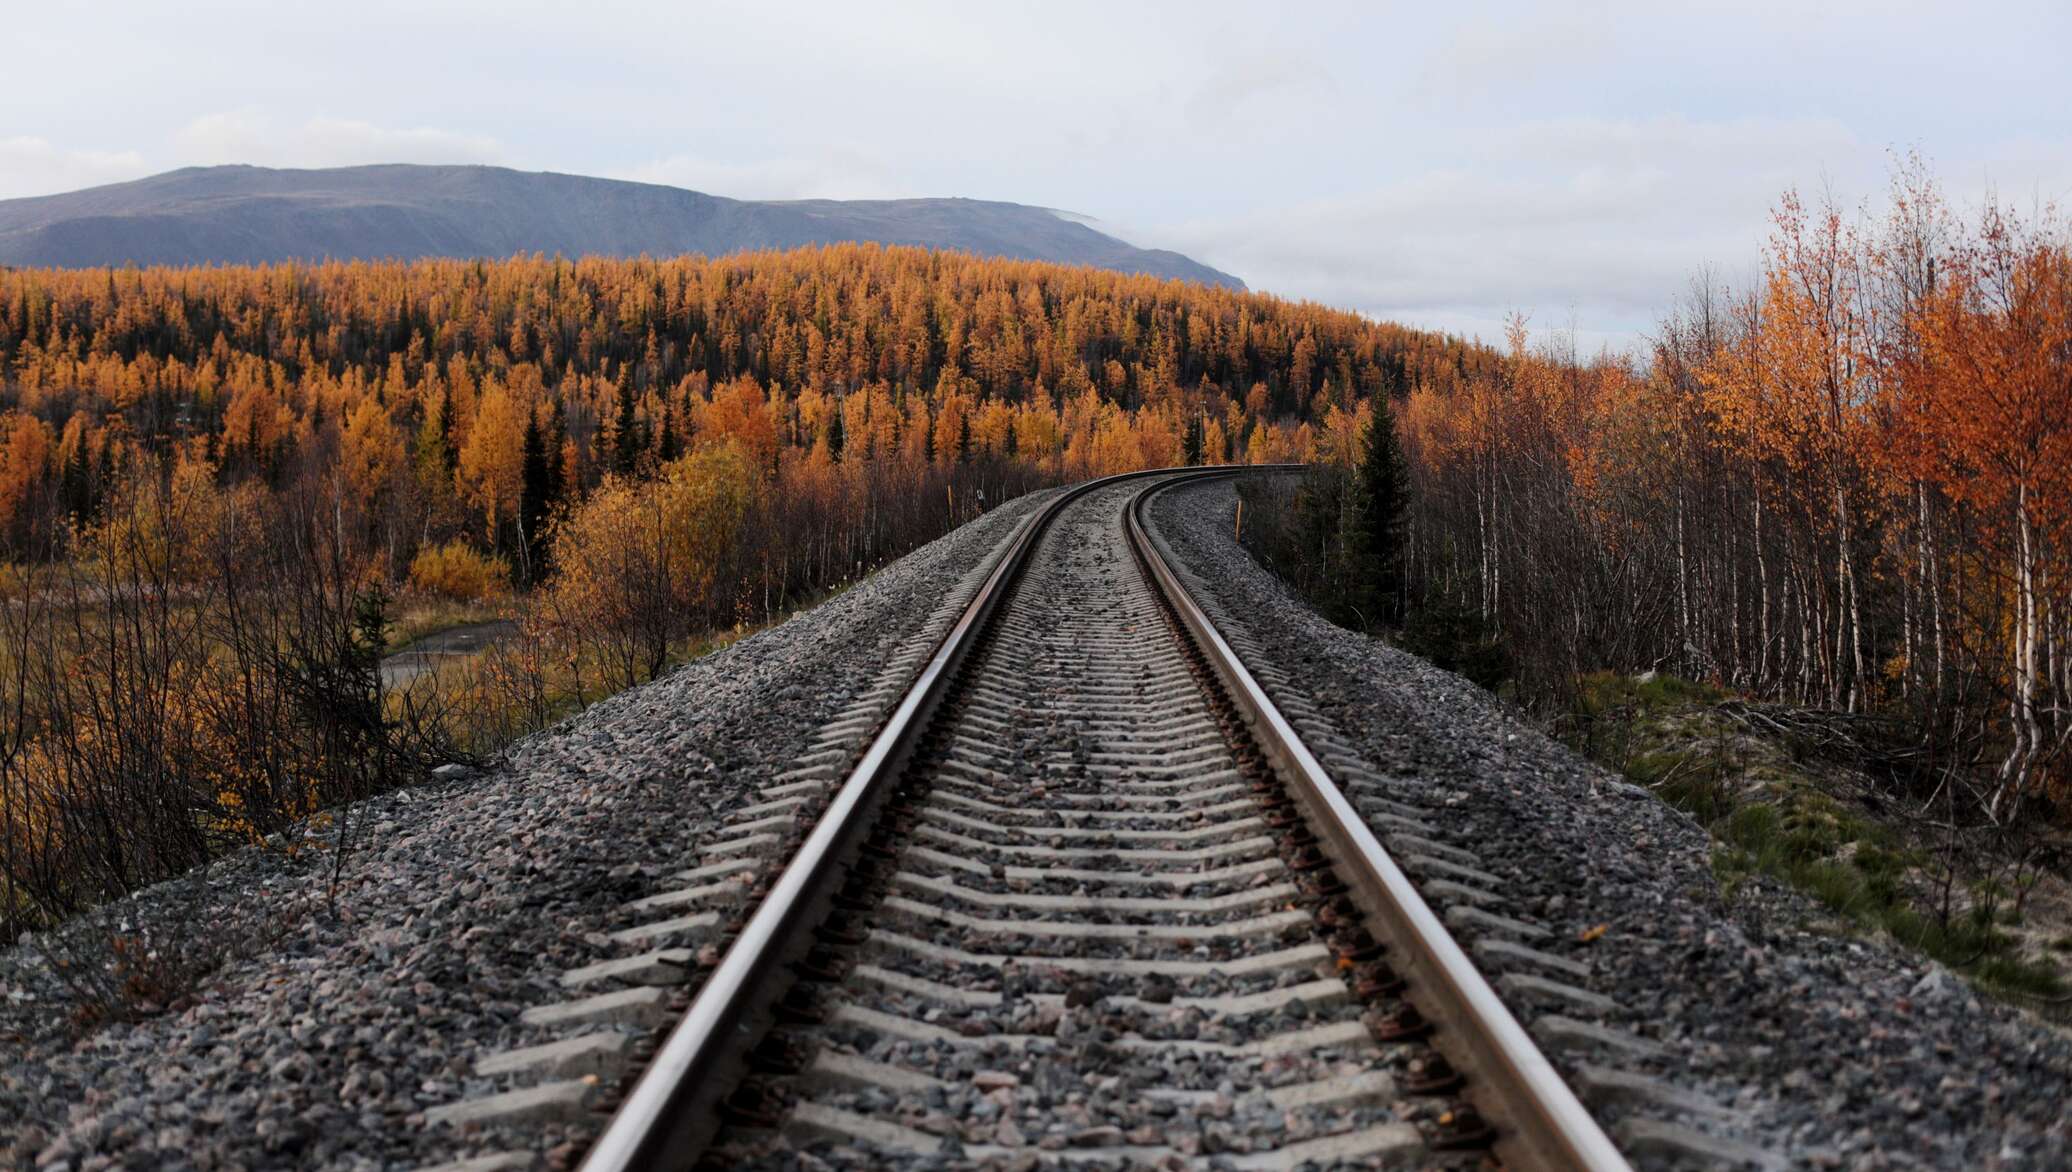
(249, 215)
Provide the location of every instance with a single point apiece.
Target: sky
(1440, 165)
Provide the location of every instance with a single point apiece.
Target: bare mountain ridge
(251, 215)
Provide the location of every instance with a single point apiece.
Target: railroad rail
(1087, 863)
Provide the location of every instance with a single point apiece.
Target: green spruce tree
(668, 447)
(76, 485)
(535, 498)
(1383, 498)
(627, 442)
(557, 442)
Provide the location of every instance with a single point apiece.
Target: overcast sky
(1437, 164)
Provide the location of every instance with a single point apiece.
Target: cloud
(34, 166)
(1259, 91)
(1602, 220)
(2023, 172)
(243, 136)
(31, 165)
(340, 141)
(221, 138)
(1487, 57)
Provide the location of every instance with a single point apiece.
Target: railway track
(1088, 897)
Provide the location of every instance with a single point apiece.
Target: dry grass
(418, 616)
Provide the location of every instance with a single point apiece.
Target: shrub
(461, 572)
(644, 563)
(202, 676)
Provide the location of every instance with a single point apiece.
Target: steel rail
(1541, 1123)
(672, 1111)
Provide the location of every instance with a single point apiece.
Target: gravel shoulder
(1824, 1050)
(354, 999)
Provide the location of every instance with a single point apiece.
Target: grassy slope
(1777, 808)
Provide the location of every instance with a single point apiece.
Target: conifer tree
(535, 497)
(1383, 498)
(626, 438)
(557, 443)
(76, 487)
(449, 451)
(667, 446)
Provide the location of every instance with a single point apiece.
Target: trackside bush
(458, 571)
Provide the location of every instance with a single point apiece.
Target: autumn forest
(1844, 487)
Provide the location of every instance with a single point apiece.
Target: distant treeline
(419, 383)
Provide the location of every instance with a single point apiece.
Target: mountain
(247, 215)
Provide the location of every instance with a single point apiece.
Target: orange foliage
(491, 465)
(1850, 486)
(459, 571)
(25, 463)
(740, 414)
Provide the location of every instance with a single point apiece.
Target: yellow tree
(370, 453)
(740, 414)
(25, 447)
(492, 461)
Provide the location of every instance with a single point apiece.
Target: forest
(222, 491)
(1848, 487)
(1842, 489)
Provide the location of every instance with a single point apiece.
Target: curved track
(1088, 897)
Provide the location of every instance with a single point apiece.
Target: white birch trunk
(2027, 735)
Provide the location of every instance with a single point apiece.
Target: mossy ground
(1821, 828)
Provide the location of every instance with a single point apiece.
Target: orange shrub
(459, 571)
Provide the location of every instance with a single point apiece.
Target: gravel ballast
(1089, 941)
(343, 1015)
(1821, 1049)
